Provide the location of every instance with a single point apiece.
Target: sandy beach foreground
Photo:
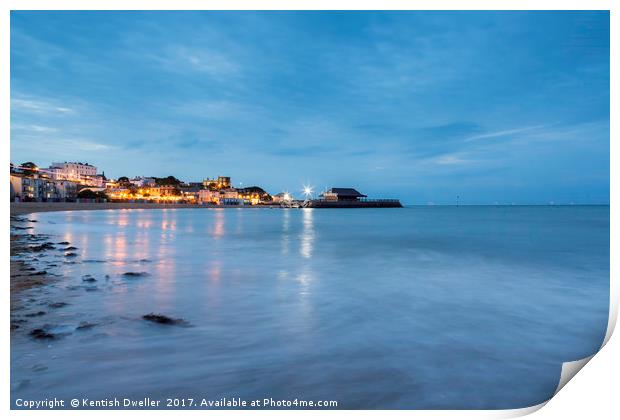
(26, 247)
(34, 207)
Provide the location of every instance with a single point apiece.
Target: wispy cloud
(451, 159)
(33, 128)
(80, 144)
(63, 144)
(436, 140)
(43, 123)
(505, 133)
(303, 151)
(183, 58)
(39, 106)
(215, 109)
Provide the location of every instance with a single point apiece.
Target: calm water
(423, 307)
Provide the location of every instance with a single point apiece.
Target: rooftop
(346, 192)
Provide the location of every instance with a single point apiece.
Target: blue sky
(424, 106)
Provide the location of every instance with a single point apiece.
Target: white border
(600, 380)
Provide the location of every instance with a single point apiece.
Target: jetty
(348, 198)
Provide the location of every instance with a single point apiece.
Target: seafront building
(78, 172)
(38, 188)
(255, 195)
(221, 182)
(209, 197)
(282, 197)
(348, 198)
(59, 182)
(142, 181)
(228, 196)
(342, 194)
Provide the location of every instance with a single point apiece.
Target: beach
(25, 249)
(37, 207)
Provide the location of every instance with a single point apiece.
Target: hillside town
(81, 182)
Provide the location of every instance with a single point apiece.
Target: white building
(79, 172)
(141, 181)
(209, 197)
(230, 193)
(282, 197)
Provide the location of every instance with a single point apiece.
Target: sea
(424, 307)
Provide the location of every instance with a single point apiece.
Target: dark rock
(33, 314)
(14, 327)
(40, 273)
(43, 247)
(41, 334)
(85, 326)
(135, 274)
(88, 278)
(163, 319)
(32, 221)
(70, 255)
(70, 248)
(63, 243)
(23, 384)
(57, 305)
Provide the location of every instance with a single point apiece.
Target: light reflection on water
(286, 223)
(377, 308)
(218, 229)
(307, 235)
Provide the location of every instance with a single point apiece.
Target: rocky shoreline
(26, 248)
(32, 271)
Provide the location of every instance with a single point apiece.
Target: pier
(348, 198)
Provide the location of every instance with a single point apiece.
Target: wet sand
(24, 247)
(33, 207)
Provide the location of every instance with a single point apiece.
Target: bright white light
(307, 191)
(287, 196)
